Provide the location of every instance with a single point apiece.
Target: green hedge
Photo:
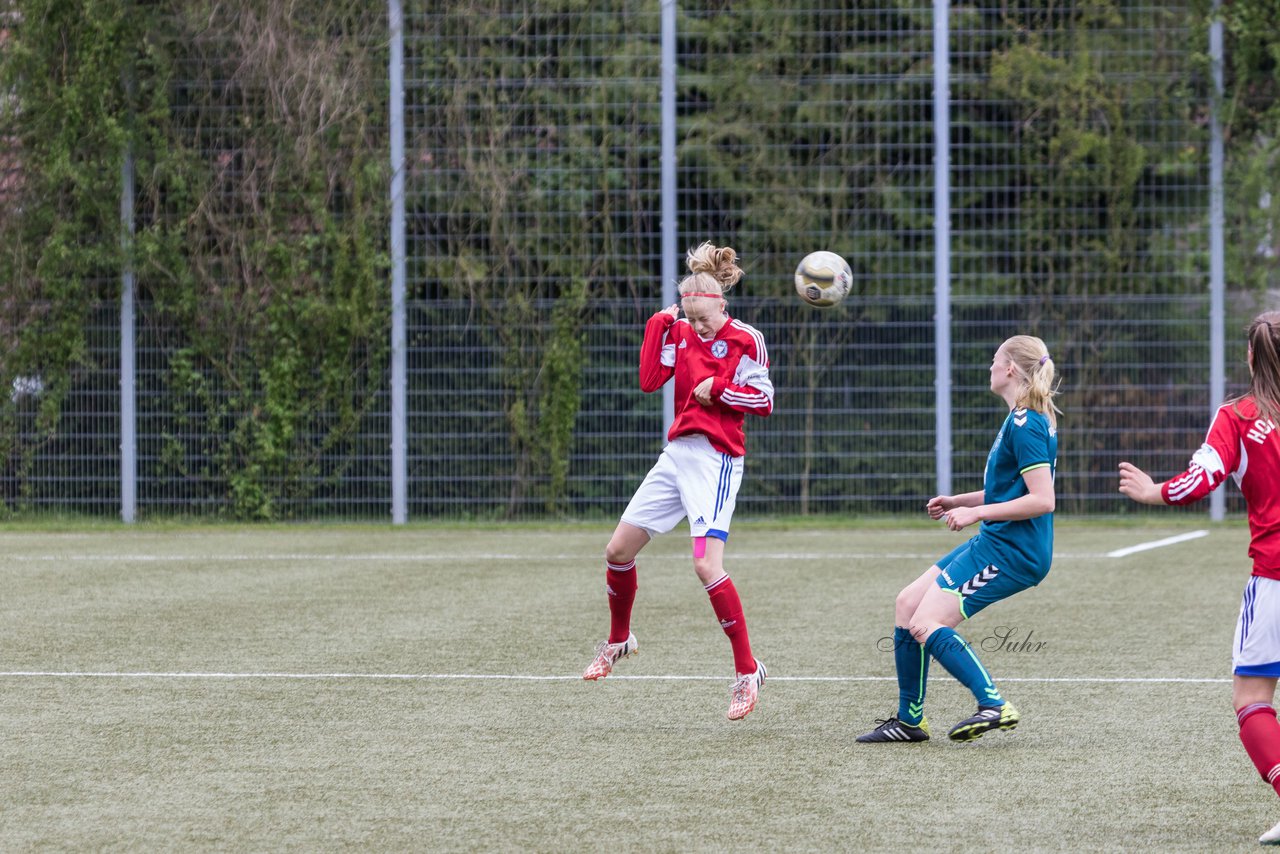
(260, 145)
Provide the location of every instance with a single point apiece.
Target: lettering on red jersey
(1260, 430)
(1245, 448)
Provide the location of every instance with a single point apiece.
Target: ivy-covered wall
(258, 136)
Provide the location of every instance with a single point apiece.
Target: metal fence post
(399, 431)
(128, 380)
(1217, 247)
(668, 182)
(942, 244)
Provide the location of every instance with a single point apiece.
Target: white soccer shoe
(608, 653)
(746, 691)
(1271, 837)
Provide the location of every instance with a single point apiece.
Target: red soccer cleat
(746, 691)
(606, 654)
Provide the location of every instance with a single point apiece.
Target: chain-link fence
(1079, 212)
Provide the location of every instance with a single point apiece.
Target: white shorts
(1256, 649)
(691, 479)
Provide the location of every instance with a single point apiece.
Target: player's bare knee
(1247, 691)
(905, 606)
(618, 553)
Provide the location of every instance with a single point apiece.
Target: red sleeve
(752, 390)
(1218, 457)
(653, 373)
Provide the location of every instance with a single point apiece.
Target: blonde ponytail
(713, 270)
(1036, 369)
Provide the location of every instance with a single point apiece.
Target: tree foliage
(1252, 120)
(260, 212)
(258, 136)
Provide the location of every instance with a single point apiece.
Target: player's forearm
(654, 377)
(654, 374)
(756, 399)
(742, 398)
(1153, 495)
(968, 499)
(1027, 507)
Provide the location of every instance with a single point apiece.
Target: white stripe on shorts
(1257, 639)
(691, 479)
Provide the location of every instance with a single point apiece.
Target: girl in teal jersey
(1011, 551)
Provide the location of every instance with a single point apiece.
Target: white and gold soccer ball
(823, 279)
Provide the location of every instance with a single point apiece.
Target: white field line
(516, 677)
(179, 558)
(81, 557)
(1156, 544)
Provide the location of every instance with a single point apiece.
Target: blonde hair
(1031, 357)
(712, 270)
(1264, 383)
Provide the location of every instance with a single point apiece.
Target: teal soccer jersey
(1026, 441)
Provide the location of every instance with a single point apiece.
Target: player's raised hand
(938, 505)
(1138, 485)
(673, 309)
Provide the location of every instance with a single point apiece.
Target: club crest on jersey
(719, 349)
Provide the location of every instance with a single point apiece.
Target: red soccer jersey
(1248, 448)
(736, 357)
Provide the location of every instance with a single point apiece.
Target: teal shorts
(976, 579)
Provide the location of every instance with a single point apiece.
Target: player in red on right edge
(1243, 442)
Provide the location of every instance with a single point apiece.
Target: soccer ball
(823, 279)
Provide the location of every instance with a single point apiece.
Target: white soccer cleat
(746, 691)
(608, 653)
(1271, 837)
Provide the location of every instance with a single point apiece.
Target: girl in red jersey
(721, 371)
(1243, 442)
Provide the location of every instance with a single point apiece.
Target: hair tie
(700, 294)
(1044, 358)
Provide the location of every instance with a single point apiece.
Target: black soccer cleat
(983, 721)
(895, 730)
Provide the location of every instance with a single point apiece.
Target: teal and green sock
(913, 673)
(957, 656)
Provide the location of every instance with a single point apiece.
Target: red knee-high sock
(620, 584)
(728, 608)
(1260, 734)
